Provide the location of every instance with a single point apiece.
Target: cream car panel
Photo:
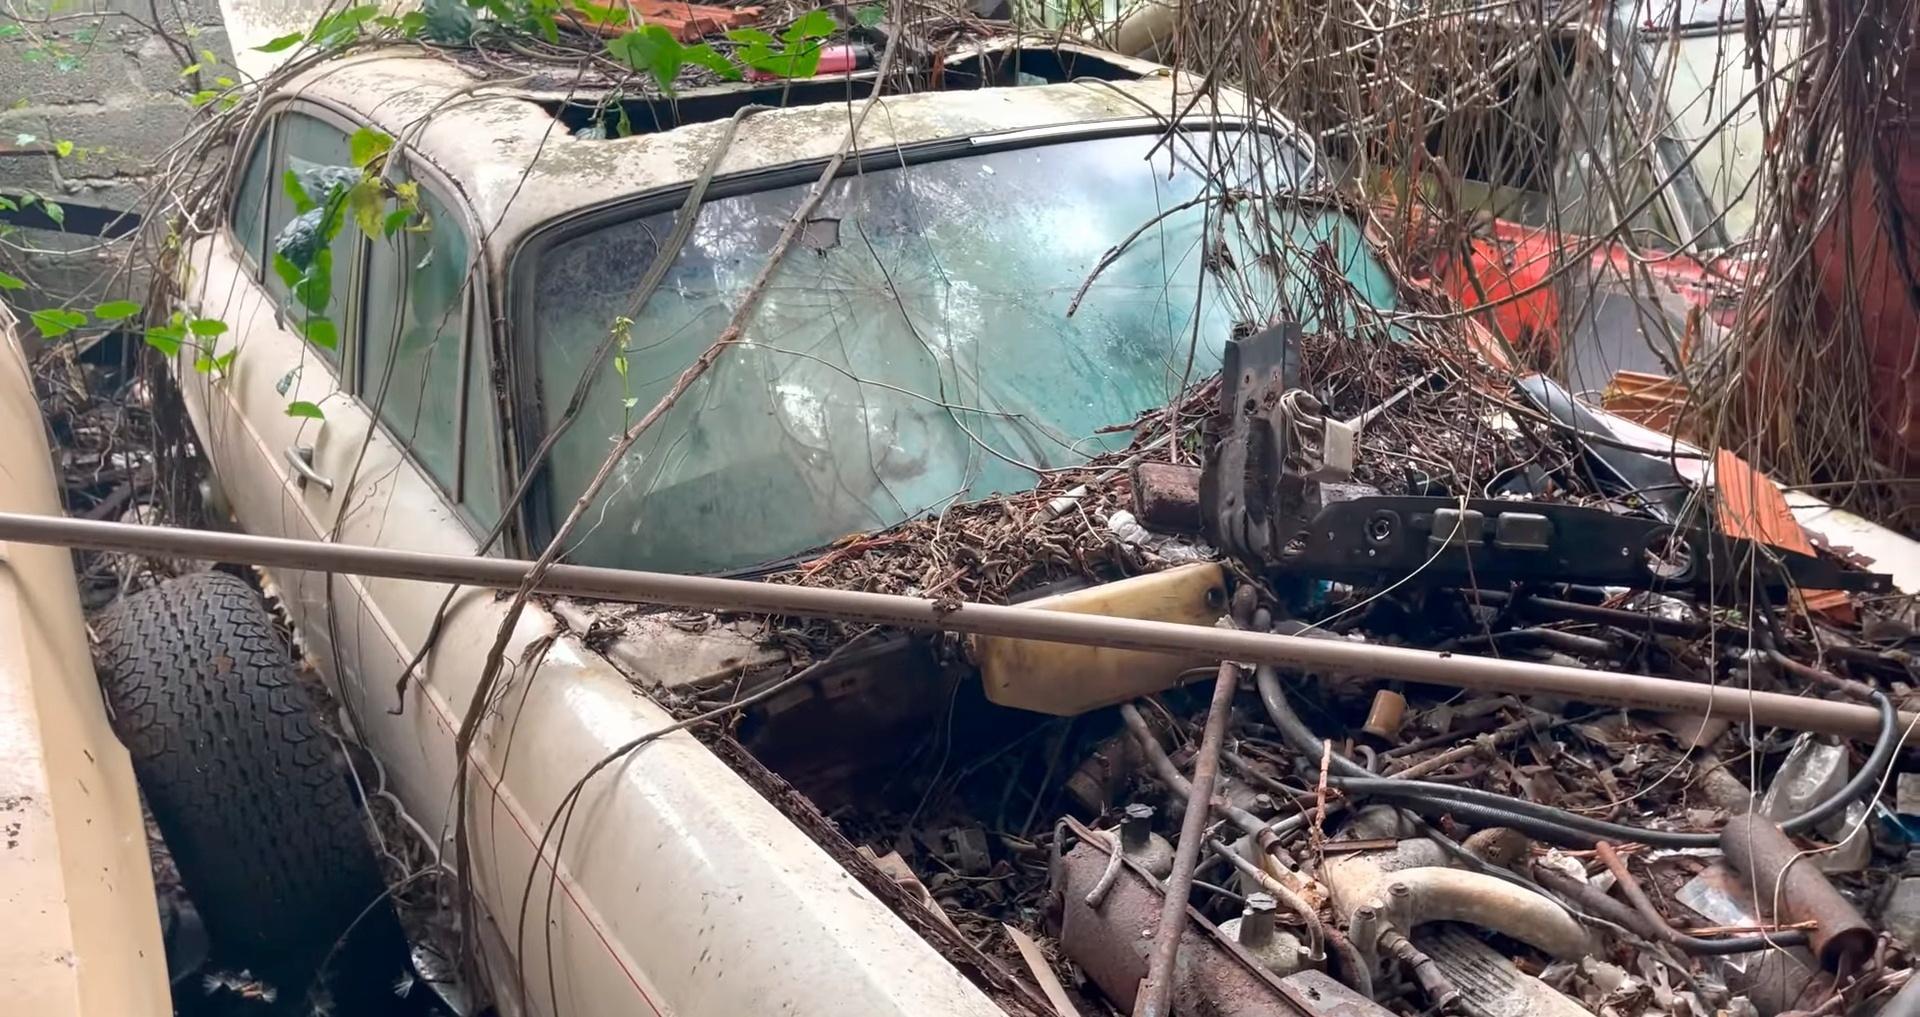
(83, 930)
(240, 416)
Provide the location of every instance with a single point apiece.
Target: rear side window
(413, 348)
(249, 204)
(312, 170)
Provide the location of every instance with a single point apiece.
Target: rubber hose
(1884, 748)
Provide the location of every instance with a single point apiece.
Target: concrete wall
(113, 87)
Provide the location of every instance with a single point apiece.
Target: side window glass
(416, 298)
(308, 271)
(253, 194)
(1606, 173)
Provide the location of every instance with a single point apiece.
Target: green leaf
(337, 29)
(55, 211)
(114, 310)
(315, 286)
(165, 338)
(321, 332)
(202, 97)
(596, 14)
(815, 24)
(412, 22)
(281, 42)
(784, 65)
(203, 363)
(703, 55)
(750, 36)
(652, 49)
(392, 223)
(189, 70)
(448, 21)
(8, 282)
(366, 203)
(367, 145)
(208, 56)
(290, 183)
(288, 272)
(54, 322)
(63, 148)
(870, 15)
(302, 408)
(224, 361)
(207, 328)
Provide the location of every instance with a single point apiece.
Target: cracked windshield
(922, 344)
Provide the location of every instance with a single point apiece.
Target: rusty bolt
(1136, 825)
(1256, 922)
(1399, 890)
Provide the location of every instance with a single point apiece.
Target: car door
(425, 477)
(260, 394)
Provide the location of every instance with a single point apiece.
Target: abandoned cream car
(913, 349)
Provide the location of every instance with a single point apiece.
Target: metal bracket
(1245, 488)
(1449, 541)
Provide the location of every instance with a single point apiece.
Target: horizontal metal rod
(1451, 669)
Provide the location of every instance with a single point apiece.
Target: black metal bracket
(1245, 484)
(1448, 541)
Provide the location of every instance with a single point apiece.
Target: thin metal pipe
(1658, 927)
(1156, 993)
(1454, 670)
(1316, 929)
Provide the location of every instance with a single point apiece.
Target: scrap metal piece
(1489, 984)
(1279, 951)
(1319, 995)
(1490, 541)
(1398, 890)
(1250, 504)
(1215, 975)
(1792, 884)
(1166, 497)
(1386, 715)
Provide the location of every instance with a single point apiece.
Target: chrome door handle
(300, 457)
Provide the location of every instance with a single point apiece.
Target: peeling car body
(679, 887)
(84, 937)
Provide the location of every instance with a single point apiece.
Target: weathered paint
(83, 930)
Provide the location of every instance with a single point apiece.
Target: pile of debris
(1342, 838)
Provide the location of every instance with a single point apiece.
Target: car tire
(250, 795)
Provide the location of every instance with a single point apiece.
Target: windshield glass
(914, 347)
(1714, 99)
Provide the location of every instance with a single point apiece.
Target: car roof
(519, 166)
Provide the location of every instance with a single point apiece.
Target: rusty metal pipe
(1790, 889)
(1157, 994)
(1439, 989)
(1316, 929)
(1656, 926)
(1454, 670)
(1176, 782)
